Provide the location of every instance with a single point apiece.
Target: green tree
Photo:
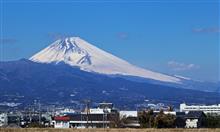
(213, 121)
(35, 125)
(116, 121)
(146, 119)
(164, 120)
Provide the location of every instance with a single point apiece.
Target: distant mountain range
(71, 69)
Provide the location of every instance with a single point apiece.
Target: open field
(105, 130)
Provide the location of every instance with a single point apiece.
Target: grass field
(105, 130)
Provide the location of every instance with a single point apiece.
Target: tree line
(148, 119)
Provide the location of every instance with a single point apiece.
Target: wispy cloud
(122, 35)
(7, 40)
(179, 66)
(206, 30)
(56, 36)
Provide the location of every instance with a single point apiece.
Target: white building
(131, 119)
(61, 122)
(167, 112)
(128, 114)
(205, 108)
(64, 111)
(3, 119)
(99, 111)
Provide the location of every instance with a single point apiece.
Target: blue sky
(174, 37)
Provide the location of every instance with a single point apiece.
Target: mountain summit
(75, 51)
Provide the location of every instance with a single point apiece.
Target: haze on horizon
(173, 37)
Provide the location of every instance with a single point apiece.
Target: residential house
(195, 119)
(61, 122)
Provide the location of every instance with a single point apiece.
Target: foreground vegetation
(105, 130)
(161, 120)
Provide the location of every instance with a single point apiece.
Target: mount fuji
(75, 51)
(71, 69)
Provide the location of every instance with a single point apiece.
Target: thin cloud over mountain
(179, 66)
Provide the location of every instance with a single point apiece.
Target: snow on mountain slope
(77, 52)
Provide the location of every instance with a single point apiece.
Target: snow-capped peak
(77, 52)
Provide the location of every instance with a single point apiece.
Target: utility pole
(103, 120)
(87, 102)
(87, 114)
(104, 117)
(30, 114)
(39, 107)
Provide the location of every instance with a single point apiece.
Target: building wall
(191, 123)
(128, 114)
(3, 119)
(61, 124)
(204, 108)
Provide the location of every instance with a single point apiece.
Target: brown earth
(104, 130)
